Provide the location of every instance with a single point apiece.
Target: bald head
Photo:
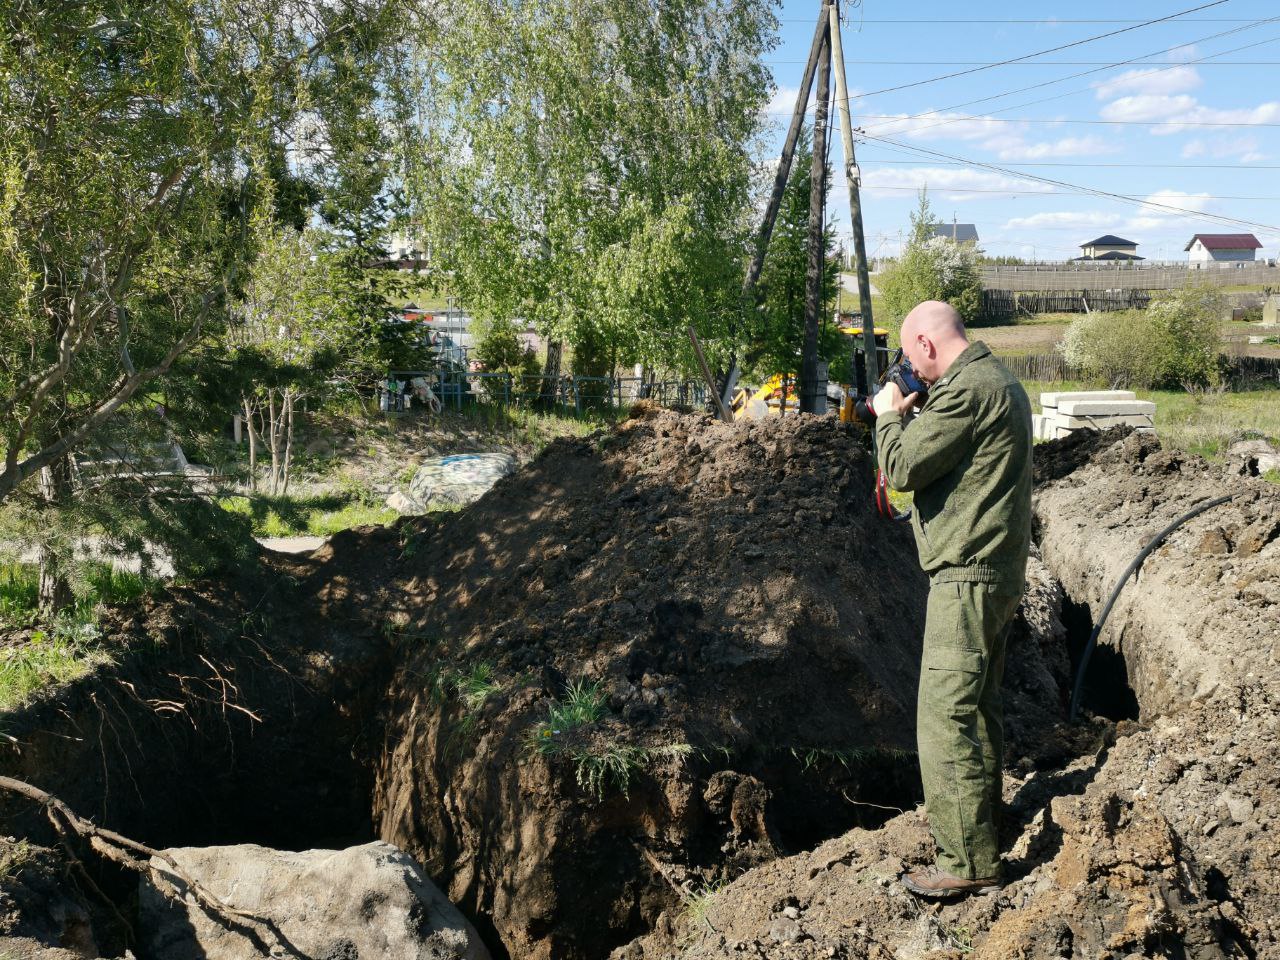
(933, 336)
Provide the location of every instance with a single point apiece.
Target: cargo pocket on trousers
(952, 679)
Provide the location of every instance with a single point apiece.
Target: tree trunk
(55, 590)
(287, 412)
(249, 414)
(551, 376)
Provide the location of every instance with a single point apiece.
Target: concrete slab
(1105, 408)
(1055, 398)
(1104, 423)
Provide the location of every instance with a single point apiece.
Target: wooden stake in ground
(721, 409)
(810, 400)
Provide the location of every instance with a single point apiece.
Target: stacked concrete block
(1066, 411)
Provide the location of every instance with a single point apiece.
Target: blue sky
(1192, 123)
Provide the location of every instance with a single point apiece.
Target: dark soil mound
(752, 628)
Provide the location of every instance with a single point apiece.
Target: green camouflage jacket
(967, 459)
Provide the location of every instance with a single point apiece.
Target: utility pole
(853, 178)
(810, 400)
(779, 184)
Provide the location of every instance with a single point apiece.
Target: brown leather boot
(937, 884)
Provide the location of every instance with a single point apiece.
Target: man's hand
(891, 398)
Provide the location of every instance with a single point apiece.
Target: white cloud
(883, 182)
(1015, 148)
(1173, 113)
(1155, 212)
(1060, 219)
(1245, 149)
(783, 101)
(1157, 80)
(938, 126)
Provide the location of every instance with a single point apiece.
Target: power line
(1011, 191)
(1078, 188)
(1040, 53)
(1137, 166)
(1054, 21)
(1120, 63)
(1108, 123)
(1038, 63)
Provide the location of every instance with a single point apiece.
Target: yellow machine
(769, 398)
(781, 391)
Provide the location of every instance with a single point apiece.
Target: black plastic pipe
(1124, 577)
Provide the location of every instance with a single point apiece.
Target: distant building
(1111, 248)
(1221, 248)
(966, 233)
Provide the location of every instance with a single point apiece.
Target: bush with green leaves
(1173, 343)
(500, 349)
(1117, 348)
(1187, 326)
(931, 268)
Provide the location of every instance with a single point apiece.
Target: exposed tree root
(131, 855)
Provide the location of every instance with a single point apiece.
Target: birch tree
(587, 165)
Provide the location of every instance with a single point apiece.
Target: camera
(900, 372)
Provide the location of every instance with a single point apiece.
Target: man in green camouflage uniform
(966, 457)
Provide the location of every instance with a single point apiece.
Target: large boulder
(371, 902)
(455, 480)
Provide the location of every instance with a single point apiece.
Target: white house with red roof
(1206, 248)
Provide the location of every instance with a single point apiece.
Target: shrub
(934, 269)
(1186, 324)
(1118, 348)
(501, 350)
(1173, 343)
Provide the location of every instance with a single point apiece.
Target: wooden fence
(1241, 372)
(1003, 304)
(1083, 276)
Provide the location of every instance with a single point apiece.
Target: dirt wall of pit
(1199, 620)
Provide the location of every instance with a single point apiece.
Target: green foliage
(697, 906)
(500, 349)
(931, 268)
(315, 515)
(583, 704)
(614, 764)
(61, 655)
(94, 584)
(1174, 342)
(1117, 348)
(474, 686)
(609, 204)
(1187, 326)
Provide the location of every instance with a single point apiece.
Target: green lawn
(317, 515)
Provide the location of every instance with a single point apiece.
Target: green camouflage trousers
(960, 721)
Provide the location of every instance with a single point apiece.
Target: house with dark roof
(1221, 248)
(966, 233)
(1109, 247)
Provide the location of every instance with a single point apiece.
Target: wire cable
(1077, 188)
(1073, 76)
(1040, 53)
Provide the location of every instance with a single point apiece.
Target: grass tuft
(46, 660)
